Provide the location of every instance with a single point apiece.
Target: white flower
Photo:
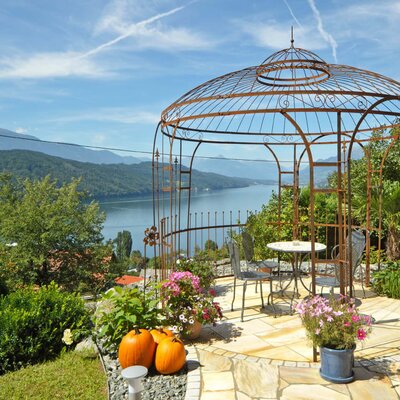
(184, 320)
(181, 317)
(67, 337)
(178, 261)
(175, 329)
(181, 328)
(191, 321)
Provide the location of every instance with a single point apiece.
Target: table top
(295, 247)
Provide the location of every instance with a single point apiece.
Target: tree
(210, 245)
(56, 234)
(123, 242)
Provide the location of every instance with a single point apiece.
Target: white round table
(296, 247)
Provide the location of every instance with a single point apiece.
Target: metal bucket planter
(337, 365)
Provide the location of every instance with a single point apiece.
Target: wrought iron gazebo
(292, 102)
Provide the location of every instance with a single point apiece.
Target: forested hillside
(103, 180)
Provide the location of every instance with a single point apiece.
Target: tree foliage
(48, 233)
(123, 244)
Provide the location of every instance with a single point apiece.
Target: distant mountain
(243, 169)
(321, 174)
(17, 141)
(104, 180)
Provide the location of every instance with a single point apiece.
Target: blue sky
(100, 72)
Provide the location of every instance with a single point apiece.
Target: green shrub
(32, 324)
(122, 309)
(387, 281)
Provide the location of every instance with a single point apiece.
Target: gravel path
(156, 386)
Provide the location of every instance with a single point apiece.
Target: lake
(136, 215)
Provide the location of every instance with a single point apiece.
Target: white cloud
(147, 33)
(326, 36)
(376, 22)
(46, 65)
(150, 32)
(21, 130)
(124, 115)
(292, 13)
(98, 139)
(277, 35)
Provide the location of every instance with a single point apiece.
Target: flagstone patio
(268, 357)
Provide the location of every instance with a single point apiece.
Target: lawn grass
(73, 375)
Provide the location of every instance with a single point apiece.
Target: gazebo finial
(291, 38)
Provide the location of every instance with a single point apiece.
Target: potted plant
(334, 325)
(204, 270)
(188, 306)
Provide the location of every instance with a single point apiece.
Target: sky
(100, 72)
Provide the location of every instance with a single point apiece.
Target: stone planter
(337, 365)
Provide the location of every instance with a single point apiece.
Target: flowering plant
(204, 270)
(185, 302)
(333, 323)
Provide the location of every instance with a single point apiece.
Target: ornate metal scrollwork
(326, 100)
(189, 134)
(362, 103)
(151, 236)
(284, 101)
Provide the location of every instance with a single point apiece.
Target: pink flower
(361, 334)
(355, 318)
(347, 324)
(317, 331)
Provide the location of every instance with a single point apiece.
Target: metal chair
(248, 249)
(266, 266)
(357, 246)
(246, 276)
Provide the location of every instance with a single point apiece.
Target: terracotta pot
(195, 331)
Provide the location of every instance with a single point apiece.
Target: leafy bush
(122, 309)
(204, 270)
(32, 324)
(373, 255)
(387, 281)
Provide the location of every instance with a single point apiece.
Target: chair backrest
(357, 247)
(235, 259)
(248, 246)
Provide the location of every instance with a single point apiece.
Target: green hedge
(32, 324)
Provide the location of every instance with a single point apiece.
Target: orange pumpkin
(161, 334)
(170, 356)
(137, 347)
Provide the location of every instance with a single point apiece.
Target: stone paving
(268, 357)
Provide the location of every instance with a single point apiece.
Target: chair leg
(271, 295)
(244, 294)
(234, 292)
(362, 281)
(261, 292)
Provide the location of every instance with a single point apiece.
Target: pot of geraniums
(334, 325)
(186, 305)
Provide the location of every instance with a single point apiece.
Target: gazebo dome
(247, 106)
